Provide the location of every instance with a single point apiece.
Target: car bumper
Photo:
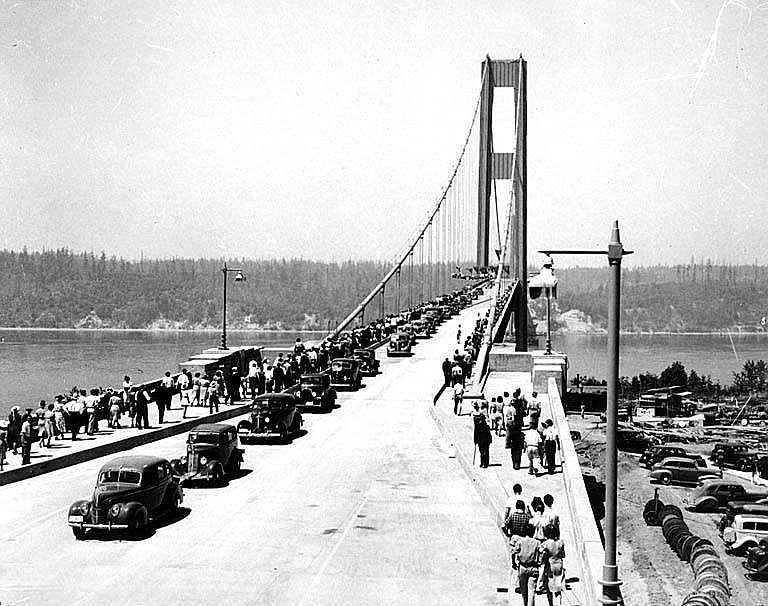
(255, 435)
(108, 526)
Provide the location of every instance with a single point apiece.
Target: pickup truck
(715, 494)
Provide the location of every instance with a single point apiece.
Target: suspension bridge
(369, 506)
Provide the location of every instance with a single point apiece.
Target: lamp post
(610, 581)
(545, 281)
(239, 277)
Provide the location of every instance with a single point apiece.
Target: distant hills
(695, 297)
(64, 289)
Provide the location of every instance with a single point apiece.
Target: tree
(752, 378)
(674, 375)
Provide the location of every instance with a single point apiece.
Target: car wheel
(709, 505)
(137, 527)
(744, 466)
(78, 532)
(666, 479)
(235, 464)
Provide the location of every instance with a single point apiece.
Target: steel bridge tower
(510, 166)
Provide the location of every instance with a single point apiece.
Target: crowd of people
(538, 550)
(533, 528)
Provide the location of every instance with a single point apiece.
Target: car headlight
(203, 460)
(115, 510)
(84, 508)
(266, 419)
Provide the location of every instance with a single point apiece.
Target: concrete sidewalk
(65, 452)
(494, 484)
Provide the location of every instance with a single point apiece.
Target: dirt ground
(651, 572)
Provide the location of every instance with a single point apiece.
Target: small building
(664, 402)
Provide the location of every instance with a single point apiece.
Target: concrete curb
(478, 483)
(39, 468)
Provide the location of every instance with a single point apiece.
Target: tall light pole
(616, 252)
(239, 277)
(545, 281)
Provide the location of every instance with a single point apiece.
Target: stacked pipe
(710, 575)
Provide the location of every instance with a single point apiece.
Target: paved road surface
(366, 508)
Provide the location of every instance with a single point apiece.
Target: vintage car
(681, 470)
(422, 329)
(409, 330)
(399, 345)
(745, 532)
(212, 454)
(345, 373)
(716, 494)
(654, 454)
(756, 562)
(735, 508)
(130, 491)
(315, 391)
(635, 441)
(737, 456)
(273, 415)
(369, 365)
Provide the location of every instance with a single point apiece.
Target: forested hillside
(62, 289)
(679, 298)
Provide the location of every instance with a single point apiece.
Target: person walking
(91, 410)
(253, 377)
(75, 409)
(527, 557)
(161, 396)
(457, 374)
(534, 409)
(482, 435)
(196, 390)
(142, 408)
(532, 439)
(59, 418)
(3, 442)
(551, 445)
(553, 552)
(114, 411)
(48, 425)
(458, 398)
(184, 386)
(168, 385)
(447, 372)
(26, 438)
(14, 430)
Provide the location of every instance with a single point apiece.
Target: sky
(326, 130)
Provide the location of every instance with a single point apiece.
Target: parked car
(273, 415)
(756, 562)
(716, 494)
(409, 330)
(315, 391)
(635, 441)
(746, 531)
(212, 453)
(422, 329)
(345, 373)
(369, 365)
(130, 492)
(735, 508)
(734, 455)
(681, 470)
(654, 454)
(399, 345)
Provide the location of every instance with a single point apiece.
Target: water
(38, 365)
(706, 354)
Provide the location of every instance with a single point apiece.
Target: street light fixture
(239, 277)
(547, 282)
(610, 580)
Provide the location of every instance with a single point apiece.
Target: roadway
(366, 508)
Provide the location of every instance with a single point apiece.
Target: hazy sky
(327, 129)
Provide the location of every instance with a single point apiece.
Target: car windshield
(203, 438)
(312, 381)
(125, 476)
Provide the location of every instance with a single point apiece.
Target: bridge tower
(505, 165)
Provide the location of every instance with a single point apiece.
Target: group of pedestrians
(537, 549)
